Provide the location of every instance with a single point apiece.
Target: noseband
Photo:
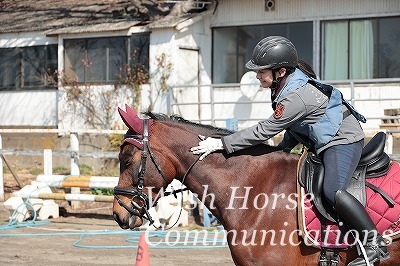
(140, 210)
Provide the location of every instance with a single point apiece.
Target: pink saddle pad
(386, 219)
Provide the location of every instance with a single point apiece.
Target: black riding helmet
(273, 52)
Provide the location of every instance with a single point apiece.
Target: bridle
(137, 209)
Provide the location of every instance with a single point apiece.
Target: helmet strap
(274, 81)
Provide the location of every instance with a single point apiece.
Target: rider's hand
(207, 146)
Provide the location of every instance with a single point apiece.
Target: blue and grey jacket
(307, 107)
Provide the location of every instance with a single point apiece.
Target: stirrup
(379, 255)
(323, 258)
(383, 255)
(381, 250)
(328, 258)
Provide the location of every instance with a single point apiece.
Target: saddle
(374, 162)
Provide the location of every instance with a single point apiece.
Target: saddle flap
(311, 177)
(356, 186)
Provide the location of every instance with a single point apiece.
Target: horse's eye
(126, 156)
(128, 162)
(125, 160)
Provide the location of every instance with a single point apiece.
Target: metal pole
(212, 101)
(1, 175)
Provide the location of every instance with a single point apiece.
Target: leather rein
(142, 210)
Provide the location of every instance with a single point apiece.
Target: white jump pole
(67, 197)
(75, 166)
(62, 181)
(47, 162)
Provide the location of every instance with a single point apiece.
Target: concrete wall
(55, 142)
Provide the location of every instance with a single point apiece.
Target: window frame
(263, 30)
(21, 67)
(377, 54)
(108, 58)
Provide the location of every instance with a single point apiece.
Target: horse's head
(141, 176)
(153, 153)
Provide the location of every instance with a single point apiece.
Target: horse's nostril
(119, 221)
(116, 218)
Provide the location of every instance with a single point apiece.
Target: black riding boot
(355, 215)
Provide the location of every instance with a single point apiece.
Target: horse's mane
(178, 119)
(256, 150)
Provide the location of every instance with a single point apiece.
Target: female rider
(314, 113)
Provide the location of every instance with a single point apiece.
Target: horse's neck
(226, 186)
(208, 187)
(218, 181)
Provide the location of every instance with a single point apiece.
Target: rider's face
(265, 77)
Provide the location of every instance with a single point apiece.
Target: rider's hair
(306, 68)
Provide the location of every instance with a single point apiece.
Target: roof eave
(94, 28)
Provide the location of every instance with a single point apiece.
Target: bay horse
(250, 192)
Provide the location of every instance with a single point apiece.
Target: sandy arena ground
(90, 239)
(89, 236)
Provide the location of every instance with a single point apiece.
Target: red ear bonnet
(135, 125)
(131, 119)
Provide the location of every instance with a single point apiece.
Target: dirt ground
(89, 236)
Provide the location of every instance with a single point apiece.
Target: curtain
(361, 49)
(334, 50)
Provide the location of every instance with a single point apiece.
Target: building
(353, 43)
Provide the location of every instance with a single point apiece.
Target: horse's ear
(130, 111)
(131, 119)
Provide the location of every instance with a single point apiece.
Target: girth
(374, 162)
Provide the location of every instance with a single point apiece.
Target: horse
(252, 192)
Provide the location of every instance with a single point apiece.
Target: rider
(314, 114)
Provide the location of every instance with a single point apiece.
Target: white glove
(207, 146)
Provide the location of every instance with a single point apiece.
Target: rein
(136, 208)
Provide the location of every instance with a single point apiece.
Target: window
(102, 59)
(360, 49)
(27, 67)
(233, 46)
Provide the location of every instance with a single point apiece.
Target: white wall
(188, 48)
(105, 100)
(25, 39)
(372, 100)
(239, 12)
(29, 108)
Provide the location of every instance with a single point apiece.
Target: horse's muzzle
(128, 221)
